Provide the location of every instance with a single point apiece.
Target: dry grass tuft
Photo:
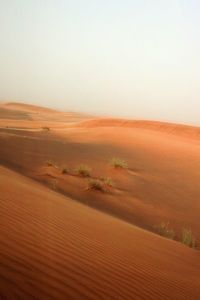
(46, 128)
(108, 181)
(164, 230)
(118, 163)
(95, 184)
(187, 238)
(83, 170)
(65, 170)
(50, 163)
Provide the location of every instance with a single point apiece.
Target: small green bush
(83, 170)
(118, 163)
(187, 238)
(164, 230)
(95, 184)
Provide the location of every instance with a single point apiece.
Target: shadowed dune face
(54, 248)
(13, 114)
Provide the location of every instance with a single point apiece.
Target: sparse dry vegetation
(54, 184)
(108, 181)
(118, 163)
(46, 128)
(50, 163)
(187, 238)
(83, 170)
(164, 230)
(95, 184)
(65, 170)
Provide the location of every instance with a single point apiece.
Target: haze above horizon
(137, 59)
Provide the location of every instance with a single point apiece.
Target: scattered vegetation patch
(164, 230)
(65, 170)
(108, 181)
(95, 184)
(118, 163)
(46, 128)
(50, 163)
(187, 238)
(54, 184)
(83, 170)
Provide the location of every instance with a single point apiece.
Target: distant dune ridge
(61, 240)
(171, 128)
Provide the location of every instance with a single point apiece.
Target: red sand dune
(184, 130)
(162, 183)
(27, 107)
(14, 113)
(54, 247)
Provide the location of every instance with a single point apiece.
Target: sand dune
(176, 129)
(53, 247)
(15, 112)
(12, 114)
(161, 184)
(27, 107)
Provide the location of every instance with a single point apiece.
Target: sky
(131, 58)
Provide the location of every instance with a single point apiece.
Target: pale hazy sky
(132, 58)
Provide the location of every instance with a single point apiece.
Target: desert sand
(60, 240)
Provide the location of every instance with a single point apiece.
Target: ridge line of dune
(167, 127)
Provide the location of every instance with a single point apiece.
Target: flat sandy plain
(59, 240)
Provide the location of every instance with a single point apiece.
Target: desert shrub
(164, 230)
(54, 184)
(108, 181)
(118, 163)
(46, 128)
(83, 170)
(49, 163)
(187, 238)
(95, 184)
(65, 170)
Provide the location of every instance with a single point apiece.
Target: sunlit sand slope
(52, 247)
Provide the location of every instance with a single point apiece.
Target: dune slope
(54, 248)
(161, 183)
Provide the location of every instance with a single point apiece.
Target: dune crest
(177, 129)
(27, 107)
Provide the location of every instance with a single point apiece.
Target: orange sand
(53, 247)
